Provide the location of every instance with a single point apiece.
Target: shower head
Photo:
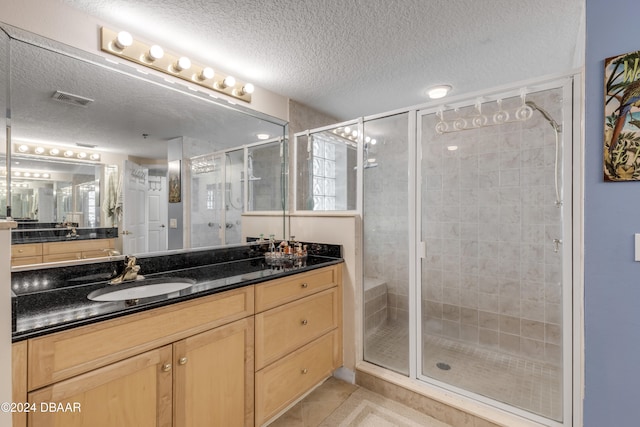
(546, 115)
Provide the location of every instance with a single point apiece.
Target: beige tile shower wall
(491, 276)
(386, 213)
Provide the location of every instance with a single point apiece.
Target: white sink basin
(141, 289)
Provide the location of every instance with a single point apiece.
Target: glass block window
(210, 196)
(324, 175)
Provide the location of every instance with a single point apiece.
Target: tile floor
(318, 405)
(531, 385)
(332, 398)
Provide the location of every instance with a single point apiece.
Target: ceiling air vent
(69, 98)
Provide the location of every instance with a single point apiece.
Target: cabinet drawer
(282, 382)
(65, 354)
(276, 292)
(95, 254)
(25, 260)
(77, 246)
(288, 327)
(68, 256)
(28, 250)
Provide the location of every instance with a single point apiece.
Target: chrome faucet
(130, 271)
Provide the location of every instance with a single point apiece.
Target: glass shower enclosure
(467, 248)
(229, 183)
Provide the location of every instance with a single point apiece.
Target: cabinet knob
(304, 371)
(304, 322)
(166, 367)
(304, 285)
(20, 250)
(182, 361)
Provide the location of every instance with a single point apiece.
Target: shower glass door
(207, 200)
(495, 279)
(387, 258)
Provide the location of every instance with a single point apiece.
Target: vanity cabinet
(298, 338)
(28, 253)
(37, 253)
(75, 250)
(234, 359)
(172, 366)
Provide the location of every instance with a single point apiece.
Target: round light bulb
(39, 150)
(248, 88)
(45, 175)
(27, 174)
(36, 175)
(155, 53)
(68, 153)
(182, 64)
(347, 130)
(367, 139)
(82, 155)
(123, 40)
(373, 141)
(54, 151)
(23, 148)
(95, 156)
(229, 81)
(206, 73)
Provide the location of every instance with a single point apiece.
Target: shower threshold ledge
(459, 407)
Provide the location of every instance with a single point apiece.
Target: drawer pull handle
(20, 250)
(166, 367)
(304, 322)
(182, 361)
(304, 371)
(304, 285)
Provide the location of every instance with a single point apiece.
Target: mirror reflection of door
(158, 213)
(135, 208)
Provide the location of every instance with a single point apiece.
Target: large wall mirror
(136, 125)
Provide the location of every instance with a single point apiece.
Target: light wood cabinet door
(213, 377)
(19, 380)
(136, 392)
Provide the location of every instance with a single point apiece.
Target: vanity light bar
(122, 45)
(53, 152)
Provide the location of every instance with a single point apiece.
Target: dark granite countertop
(60, 234)
(54, 299)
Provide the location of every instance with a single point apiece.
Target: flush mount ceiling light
(438, 92)
(123, 45)
(262, 136)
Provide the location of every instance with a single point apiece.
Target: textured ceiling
(359, 57)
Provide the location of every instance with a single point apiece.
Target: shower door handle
(422, 250)
(556, 245)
